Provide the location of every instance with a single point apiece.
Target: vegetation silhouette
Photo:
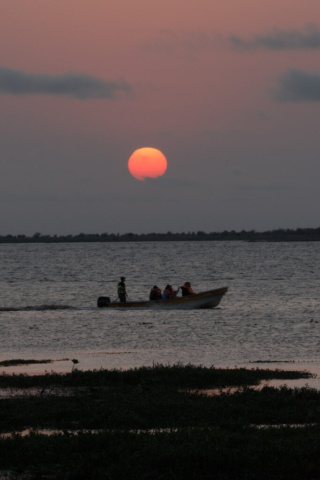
(155, 423)
(279, 235)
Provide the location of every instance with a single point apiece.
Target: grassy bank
(148, 408)
(188, 376)
(278, 454)
(214, 437)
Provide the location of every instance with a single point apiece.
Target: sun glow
(147, 162)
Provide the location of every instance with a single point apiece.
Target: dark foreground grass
(18, 361)
(149, 408)
(188, 376)
(214, 437)
(250, 454)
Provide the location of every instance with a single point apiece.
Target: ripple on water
(273, 295)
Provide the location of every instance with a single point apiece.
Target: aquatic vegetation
(74, 361)
(16, 362)
(205, 437)
(249, 453)
(159, 407)
(182, 376)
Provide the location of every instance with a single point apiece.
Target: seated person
(187, 290)
(168, 292)
(155, 293)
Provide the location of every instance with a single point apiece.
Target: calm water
(271, 311)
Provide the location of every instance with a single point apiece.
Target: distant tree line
(280, 235)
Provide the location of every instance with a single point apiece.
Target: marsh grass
(248, 453)
(181, 376)
(153, 408)
(209, 436)
(17, 362)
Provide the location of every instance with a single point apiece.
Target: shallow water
(48, 432)
(48, 307)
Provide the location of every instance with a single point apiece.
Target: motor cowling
(103, 301)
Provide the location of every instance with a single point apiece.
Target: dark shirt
(185, 292)
(155, 295)
(122, 288)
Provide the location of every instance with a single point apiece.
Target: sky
(228, 91)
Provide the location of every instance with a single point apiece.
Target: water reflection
(270, 312)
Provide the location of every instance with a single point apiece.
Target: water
(48, 297)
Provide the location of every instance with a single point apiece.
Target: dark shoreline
(280, 235)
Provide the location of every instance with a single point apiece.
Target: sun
(147, 162)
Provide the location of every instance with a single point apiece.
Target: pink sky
(209, 109)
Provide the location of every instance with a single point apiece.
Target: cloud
(185, 42)
(298, 86)
(17, 82)
(277, 39)
(170, 42)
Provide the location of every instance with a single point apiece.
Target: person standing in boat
(155, 293)
(187, 290)
(122, 294)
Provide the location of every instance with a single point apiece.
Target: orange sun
(147, 162)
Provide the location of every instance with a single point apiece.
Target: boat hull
(208, 299)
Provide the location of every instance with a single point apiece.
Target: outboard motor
(103, 301)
